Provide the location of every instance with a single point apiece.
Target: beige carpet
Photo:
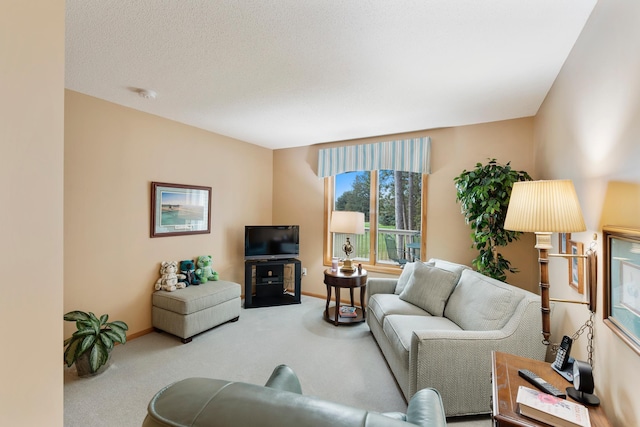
(341, 364)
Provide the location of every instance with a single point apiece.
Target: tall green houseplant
(484, 194)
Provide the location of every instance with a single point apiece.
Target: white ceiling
(289, 73)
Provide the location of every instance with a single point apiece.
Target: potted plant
(484, 194)
(89, 347)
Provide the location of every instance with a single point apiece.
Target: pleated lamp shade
(544, 206)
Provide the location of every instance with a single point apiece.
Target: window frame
(372, 265)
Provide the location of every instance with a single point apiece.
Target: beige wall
(31, 136)
(299, 194)
(588, 130)
(112, 154)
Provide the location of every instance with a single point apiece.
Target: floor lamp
(544, 207)
(348, 223)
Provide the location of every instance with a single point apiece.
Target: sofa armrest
(465, 385)
(457, 364)
(425, 409)
(380, 285)
(283, 378)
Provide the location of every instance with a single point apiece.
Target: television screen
(271, 241)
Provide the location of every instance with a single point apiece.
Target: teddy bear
(204, 271)
(188, 268)
(169, 278)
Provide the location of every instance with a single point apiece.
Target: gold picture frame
(622, 283)
(576, 265)
(563, 243)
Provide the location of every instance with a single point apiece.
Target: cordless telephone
(564, 363)
(562, 357)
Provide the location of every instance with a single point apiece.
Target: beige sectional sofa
(438, 323)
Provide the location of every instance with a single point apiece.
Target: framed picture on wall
(178, 210)
(563, 242)
(576, 266)
(622, 283)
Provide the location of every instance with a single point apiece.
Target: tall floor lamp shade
(347, 222)
(544, 207)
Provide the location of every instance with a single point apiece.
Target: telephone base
(567, 372)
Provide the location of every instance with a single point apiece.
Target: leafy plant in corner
(94, 338)
(484, 194)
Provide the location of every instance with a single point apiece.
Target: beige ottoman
(195, 309)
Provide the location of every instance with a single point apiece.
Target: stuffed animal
(204, 271)
(169, 278)
(188, 268)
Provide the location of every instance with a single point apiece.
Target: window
(394, 205)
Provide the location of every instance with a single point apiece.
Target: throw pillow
(429, 288)
(407, 272)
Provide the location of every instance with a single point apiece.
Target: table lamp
(544, 207)
(347, 222)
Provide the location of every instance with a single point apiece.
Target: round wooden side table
(339, 280)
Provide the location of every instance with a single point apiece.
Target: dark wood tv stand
(264, 283)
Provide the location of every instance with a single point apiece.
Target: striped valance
(408, 155)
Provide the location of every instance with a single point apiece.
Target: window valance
(408, 155)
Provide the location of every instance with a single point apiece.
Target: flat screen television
(271, 242)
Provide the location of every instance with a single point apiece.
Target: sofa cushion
(406, 274)
(498, 302)
(381, 305)
(399, 329)
(429, 288)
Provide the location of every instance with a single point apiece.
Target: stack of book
(348, 311)
(551, 410)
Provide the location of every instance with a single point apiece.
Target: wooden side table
(338, 280)
(505, 382)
